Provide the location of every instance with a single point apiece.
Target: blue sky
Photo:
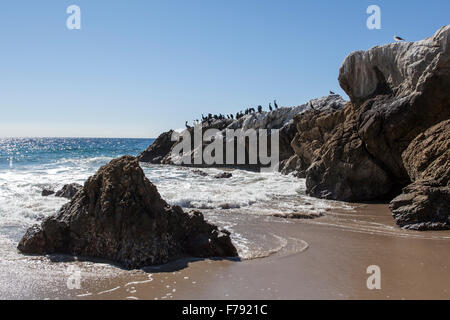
(139, 67)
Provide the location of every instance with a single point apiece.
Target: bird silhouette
(332, 93)
(397, 38)
(275, 104)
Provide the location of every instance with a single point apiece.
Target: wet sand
(324, 258)
(413, 266)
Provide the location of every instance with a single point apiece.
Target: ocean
(29, 165)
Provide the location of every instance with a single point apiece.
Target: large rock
(156, 152)
(47, 192)
(397, 91)
(314, 128)
(428, 156)
(342, 169)
(425, 204)
(402, 90)
(120, 216)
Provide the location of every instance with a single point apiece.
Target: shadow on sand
(175, 265)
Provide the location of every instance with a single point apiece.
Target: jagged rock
(120, 216)
(223, 175)
(200, 173)
(69, 191)
(299, 215)
(314, 128)
(425, 204)
(428, 156)
(156, 152)
(293, 165)
(47, 192)
(342, 169)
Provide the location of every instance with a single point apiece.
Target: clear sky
(139, 67)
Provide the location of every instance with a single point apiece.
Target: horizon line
(72, 137)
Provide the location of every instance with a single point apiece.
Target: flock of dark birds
(210, 117)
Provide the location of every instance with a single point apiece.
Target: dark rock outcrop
(299, 215)
(314, 128)
(156, 152)
(200, 173)
(120, 216)
(47, 192)
(69, 191)
(223, 175)
(425, 204)
(342, 167)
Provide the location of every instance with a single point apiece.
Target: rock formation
(120, 216)
(69, 191)
(425, 204)
(401, 89)
(281, 119)
(47, 192)
(223, 175)
(397, 91)
(158, 149)
(299, 215)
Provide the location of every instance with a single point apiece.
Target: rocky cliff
(120, 216)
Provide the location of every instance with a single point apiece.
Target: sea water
(29, 165)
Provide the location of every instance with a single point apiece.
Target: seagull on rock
(397, 38)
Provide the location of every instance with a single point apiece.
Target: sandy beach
(332, 265)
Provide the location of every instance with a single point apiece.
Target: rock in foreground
(120, 216)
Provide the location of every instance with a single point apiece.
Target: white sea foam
(225, 202)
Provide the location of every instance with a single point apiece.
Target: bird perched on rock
(332, 93)
(270, 107)
(397, 38)
(275, 104)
